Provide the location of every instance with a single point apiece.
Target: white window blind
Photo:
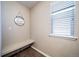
(62, 18)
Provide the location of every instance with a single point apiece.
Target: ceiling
(28, 4)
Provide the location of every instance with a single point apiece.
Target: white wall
(40, 28)
(0, 28)
(11, 33)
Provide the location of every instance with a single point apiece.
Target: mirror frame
(20, 18)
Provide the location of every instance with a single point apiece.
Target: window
(62, 18)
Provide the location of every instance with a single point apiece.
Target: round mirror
(19, 20)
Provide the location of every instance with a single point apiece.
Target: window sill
(68, 37)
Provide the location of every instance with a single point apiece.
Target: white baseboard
(40, 52)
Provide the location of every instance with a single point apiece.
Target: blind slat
(63, 23)
(59, 5)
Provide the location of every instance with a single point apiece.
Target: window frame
(68, 37)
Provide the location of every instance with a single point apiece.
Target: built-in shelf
(14, 47)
